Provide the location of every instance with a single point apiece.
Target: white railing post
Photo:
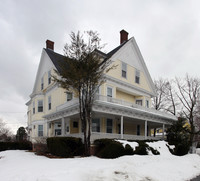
(163, 133)
(122, 127)
(63, 127)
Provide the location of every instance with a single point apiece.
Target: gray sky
(167, 33)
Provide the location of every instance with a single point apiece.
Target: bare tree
(159, 101)
(188, 94)
(5, 133)
(83, 72)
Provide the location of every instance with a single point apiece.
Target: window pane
(69, 96)
(95, 125)
(40, 130)
(124, 69)
(109, 126)
(109, 91)
(40, 106)
(42, 83)
(137, 76)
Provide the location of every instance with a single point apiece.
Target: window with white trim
(109, 126)
(96, 125)
(49, 102)
(124, 69)
(69, 96)
(33, 107)
(40, 105)
(40, 130)
(147, 103)
(42, 83)
(109, 91)
(137, 76)
(49, 77)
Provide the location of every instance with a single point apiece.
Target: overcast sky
(166, 31)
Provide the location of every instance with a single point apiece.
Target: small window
(147, 103)
(40, 130)
(75, 124)
(137, 76)
(138, 129)
(109, 91)
(139, 102)
(124, 69)
(49, 102)
(33, 126)
(69, 96)
(109, 126)
(49, 77)
(95, 125)
(33, 107)
(40, 106)
(42, 83)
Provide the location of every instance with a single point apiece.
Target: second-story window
(49, 77)
(49, 102)
(137, 76)
(139, 102)
(42, 83)
(33, 107)
(124, 70)
(40, 106)
(69, 96)
(40, 130)
(147, 103)
(109, 91)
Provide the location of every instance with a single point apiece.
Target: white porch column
(145, 130)
(163, 134)
(63, 127)
(122, 127)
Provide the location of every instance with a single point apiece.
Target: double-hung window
(137, 76)
(40, 106)
(33, 107)
(124, 70)
(147, 103)
(109, 91)
(42, 83)
(69, 96)
(109, 126)
(40, 130)
(49, 76)
(96, 125)
(49, 102)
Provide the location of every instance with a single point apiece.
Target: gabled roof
(55, 58)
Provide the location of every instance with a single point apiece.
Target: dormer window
(49, 77)
(42, 83)
(137, 76)
(124, 70)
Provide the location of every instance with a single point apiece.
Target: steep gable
(129, 53)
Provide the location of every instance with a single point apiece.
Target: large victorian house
(122, 108)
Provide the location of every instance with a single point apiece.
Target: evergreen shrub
(65, 146)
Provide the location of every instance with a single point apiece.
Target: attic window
(137, 76)
(42, 83)
(49, 77)
(69, 96)
(124, 69)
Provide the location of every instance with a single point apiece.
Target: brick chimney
(50, 45)
(123, 36)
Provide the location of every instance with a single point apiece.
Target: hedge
(65, 146)
(16, 145)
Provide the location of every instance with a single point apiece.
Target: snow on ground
(132, 144)
(26, 166)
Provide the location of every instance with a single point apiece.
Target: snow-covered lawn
(26, 166)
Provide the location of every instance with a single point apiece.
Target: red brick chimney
(123, 36)
(50, 45)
